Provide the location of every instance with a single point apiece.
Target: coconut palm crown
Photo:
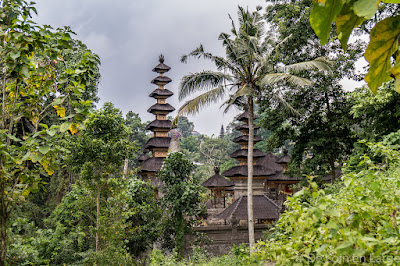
(244, 75)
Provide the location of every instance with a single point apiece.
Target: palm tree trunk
(98, 218)
(250, 176)
(3, 226)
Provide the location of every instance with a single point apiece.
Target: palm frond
(195, 105)
(238, 98)
(320, 63)
(201, 81)
(198, 53)
(271, 79)
(275, 98)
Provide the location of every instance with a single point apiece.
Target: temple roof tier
(242, 171)
(163, 107)
(269, 162)
(243, 153)
(245, 117)
(285, 159)
(152, 164)
(282, 178)
(245, 126)
(161, 93)
(245, 139)
(217, 181)
(158, 142)
(161, 80)
(263, 208)
(161, 124)
(143, 157)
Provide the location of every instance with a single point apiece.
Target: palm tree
(244, 75)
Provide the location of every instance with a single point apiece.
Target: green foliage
(142, 217)
(181, 198)
(137, 135)
(354, 222)
(184, 126)
(199, 257)
(383, 38)
(376, 114)
(100, 150)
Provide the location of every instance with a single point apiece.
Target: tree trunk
(4, 215)
(250, 176)
(333, 172)
(98, 218)
(126, 164)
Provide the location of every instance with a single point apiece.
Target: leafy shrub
(354, 223)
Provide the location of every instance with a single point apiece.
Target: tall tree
(323, 128)
(181, 196)
(246, 72)
(32, 90)
(99, 152)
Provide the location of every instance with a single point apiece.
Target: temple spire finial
(161, 58)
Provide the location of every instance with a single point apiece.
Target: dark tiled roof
(166, 107)
(166, 124)
(158, 142)
(241, 170)
(243, 153)
(245, 116)
(161, 80)
(164, 93)
(245, 138)
(152, 164)
(263, 208)
(245, 126)
(217, 181)
(143, 157)
(269, 162)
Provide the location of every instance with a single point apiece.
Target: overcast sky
(129, 35)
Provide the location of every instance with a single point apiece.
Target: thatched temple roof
(245, 117)
(158, 142)
(263, 208)
(245, 139)
(243, 153)
(161, 80)
(161, 93)
(152, 164)
(164, 124)
(269, 162)
(165, 107)
(241, 170)
(217, 181)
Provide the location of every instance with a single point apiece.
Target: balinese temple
(159, 144)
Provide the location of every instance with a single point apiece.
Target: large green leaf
(346, 21)
(366, 8)
(383, 44)
(322, 15)
(395, 71)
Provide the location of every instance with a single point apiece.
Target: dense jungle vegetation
(66, 199)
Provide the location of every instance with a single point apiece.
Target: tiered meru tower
(238, 174)
(160, 142)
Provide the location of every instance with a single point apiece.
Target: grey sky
(129, 35)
